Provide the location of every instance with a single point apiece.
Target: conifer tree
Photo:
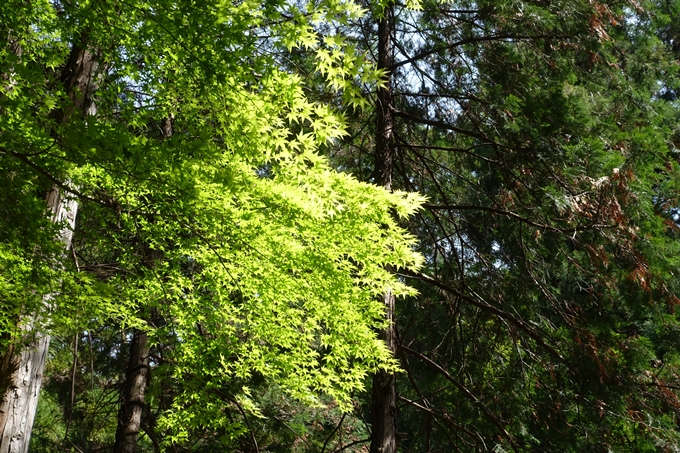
(543, 143)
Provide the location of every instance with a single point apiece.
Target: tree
(384, 386)
(19, 403)
(537, 132)
(543, 134)
(213, 241)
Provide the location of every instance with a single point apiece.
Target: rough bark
(20, 400)
(136, 381)
(384, 394)
(80, 78)
(384, 149)
(137, 375)
(384, 391)
(8, 366)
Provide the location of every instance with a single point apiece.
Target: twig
(466, 392)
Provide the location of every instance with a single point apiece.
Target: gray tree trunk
(384, 391)
(136, 381)
(19, 404)
(20, 400)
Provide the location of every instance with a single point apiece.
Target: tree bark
(384, 391)
(384, 149)
(137, 375)
(136, 381)
(20, 400)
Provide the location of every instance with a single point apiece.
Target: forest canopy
(203, 205)
(339, 226)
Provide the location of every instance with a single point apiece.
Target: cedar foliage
(542, 136)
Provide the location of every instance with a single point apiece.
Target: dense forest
(340, 226)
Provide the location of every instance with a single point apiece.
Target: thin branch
(445, 126)
(330, 436)
(292, 431)
(56, 181)
(434, 414)
(351, 444)
(467, 393)
(73, 384)
(245, 419)
(517, 217)
(427, 53)
(455, 150)
(490, 308)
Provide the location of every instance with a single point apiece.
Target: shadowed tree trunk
(384, 392)
(136, 381)
(137, 375)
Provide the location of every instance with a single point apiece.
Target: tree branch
(491, 309)
(514, 216)
(469, 395)
(446, 126)
(427, 53)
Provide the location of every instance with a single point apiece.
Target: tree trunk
(137, 375)
(136, 381)
(20, 400)
(384, 392)
(384, 149)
